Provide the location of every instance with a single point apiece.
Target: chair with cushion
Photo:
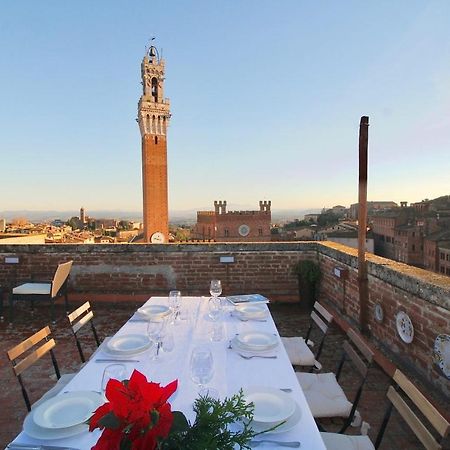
(323, 393)
(48, 290)
(298, 348)
(78, 319)
(334, 441)
(27, 353)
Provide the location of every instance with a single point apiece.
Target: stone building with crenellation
(221, 225)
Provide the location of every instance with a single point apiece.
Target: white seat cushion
(334, 441)
(299, 353)
(56, 389)
(33, 288)
(324, 395)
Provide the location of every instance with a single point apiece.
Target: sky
(266, 99)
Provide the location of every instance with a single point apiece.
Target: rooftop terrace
(116, 278)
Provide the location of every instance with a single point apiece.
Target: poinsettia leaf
(110, 421)
(180, 423)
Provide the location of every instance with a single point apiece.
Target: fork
(256, 356)
(292, 444)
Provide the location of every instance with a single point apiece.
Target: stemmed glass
(215, 288)
(202, 368)
(175, 304)
(113, 371)
(154, 332)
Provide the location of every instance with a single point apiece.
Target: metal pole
(363, 287)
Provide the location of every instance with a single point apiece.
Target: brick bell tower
(153, 119)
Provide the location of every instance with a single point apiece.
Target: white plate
(236, 345)
(67, 410)
(257, 340)
(37, 432)
(288, 425)
(405, 327)
(442, 353)
(271, 405)
(154, 311)
(249, 311)
(128, 344)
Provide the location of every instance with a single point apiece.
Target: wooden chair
(36, 346)
(298, 348)
(47, 290)
(323, 393)
(78, 319)
(334, 441)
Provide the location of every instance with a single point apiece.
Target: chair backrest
(36, 346)
(361, 361)
(439, 423)
(60, 277)
(322, 318)
(78, 319)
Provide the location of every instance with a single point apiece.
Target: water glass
(113, 371)
(214, 308)
(215, 288)
(175, 300)
(202, 367)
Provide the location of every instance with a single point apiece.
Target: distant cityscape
(417, 234)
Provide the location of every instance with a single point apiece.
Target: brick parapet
(122, 271)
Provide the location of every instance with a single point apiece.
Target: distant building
(338, 210)
(444, 258)
(350, 238)
(58, 223)
(432, 243)
(222, 226)
(82, 216)
(372, 207)
(2, 225)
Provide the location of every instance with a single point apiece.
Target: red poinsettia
(137, 415)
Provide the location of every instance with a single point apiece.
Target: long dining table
(231, 371)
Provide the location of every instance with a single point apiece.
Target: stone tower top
(153, 108)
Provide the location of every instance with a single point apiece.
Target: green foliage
(296, 224)
(211, 427)
(326, 219)
(308, 271)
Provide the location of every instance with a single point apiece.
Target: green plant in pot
(308, 274)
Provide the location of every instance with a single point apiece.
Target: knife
(37, 447)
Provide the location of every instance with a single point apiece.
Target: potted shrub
(308, 274)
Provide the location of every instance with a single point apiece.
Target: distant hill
(179, 217)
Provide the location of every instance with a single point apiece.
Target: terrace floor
(108, 319)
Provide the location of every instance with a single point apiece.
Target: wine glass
(202, 368)
(154, 332)
(113, 371)
(215, 288)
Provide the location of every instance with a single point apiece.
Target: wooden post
(363, 286)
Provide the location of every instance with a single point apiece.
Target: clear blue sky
(266, 99)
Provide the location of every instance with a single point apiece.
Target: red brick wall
(424, 296)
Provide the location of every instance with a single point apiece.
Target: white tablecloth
(231, 372)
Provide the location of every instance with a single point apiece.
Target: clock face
(157, 238)
(244, 230)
